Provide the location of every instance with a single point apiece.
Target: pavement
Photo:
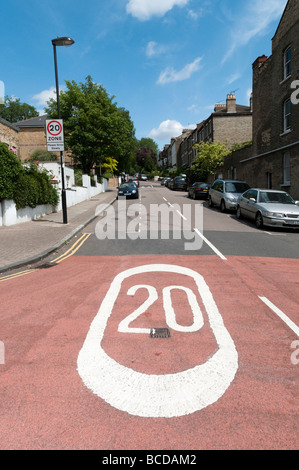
(28, 242)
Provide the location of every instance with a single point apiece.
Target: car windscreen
(236, 187)
(280, 198)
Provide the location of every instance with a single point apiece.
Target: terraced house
(273, 159)
(271, 120)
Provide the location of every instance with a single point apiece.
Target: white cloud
(233, 78)
(154, 49)
(146, 9)
(168, 129)
(43, 97)
(256, 19)
(170, 75)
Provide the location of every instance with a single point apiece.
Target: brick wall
(9, 135)
(235, 128)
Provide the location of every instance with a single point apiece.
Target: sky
(168, 62)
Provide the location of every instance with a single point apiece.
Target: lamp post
(61, 41)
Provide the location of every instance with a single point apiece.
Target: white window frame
(287, 62)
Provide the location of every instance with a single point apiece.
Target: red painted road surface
(46, 316)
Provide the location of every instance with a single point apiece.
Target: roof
(240, 108)
(9, 124)
(39, 121)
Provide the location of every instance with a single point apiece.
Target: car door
(251, 203)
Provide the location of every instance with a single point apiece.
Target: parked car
(225, 193)
(163, 181)
(168, 183)
(133, 179)
(179, 183)
(269, 207)
(199, 190)
(128, 190)
(143, 177)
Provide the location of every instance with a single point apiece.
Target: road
(173, 326)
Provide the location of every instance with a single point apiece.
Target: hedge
(27, 186)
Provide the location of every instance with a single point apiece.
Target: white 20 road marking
(166, 395)
(168, 308)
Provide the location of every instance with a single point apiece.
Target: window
(287, 115)
(286, 169)
(287, 62)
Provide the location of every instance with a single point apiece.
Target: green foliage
(210, 156)
(27, 186)
(110, 165)
(41, 155)
(13, 110)
(94, 127)
(10, 169)
(33, 187)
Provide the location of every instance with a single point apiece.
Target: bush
(41, 155)
(10, 169)
(27, 186)
(33, 187)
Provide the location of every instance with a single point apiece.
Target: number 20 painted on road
(169, 311)
(167, 395)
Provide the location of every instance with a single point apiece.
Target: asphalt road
(163, 331)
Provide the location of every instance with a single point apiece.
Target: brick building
(273, 159)
(9, 134)
(32, 136)
(230, 122)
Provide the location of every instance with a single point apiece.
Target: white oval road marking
(166, 395)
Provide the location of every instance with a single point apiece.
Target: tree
(147, 143)
(95, 128)
(210, 156)
(13, 110)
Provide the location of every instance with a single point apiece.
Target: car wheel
(211, 204)
(239, 213)
(259, 220)
(222, 206)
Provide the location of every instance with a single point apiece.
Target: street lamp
(61, 41)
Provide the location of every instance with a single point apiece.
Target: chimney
(259, 61)
(231, 106)
(219, 107)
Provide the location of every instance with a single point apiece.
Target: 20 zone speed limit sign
(55, 136)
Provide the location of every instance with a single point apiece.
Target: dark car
(179, 183)
(163, 181)
(199, 190)
(133, 179)
(128, 190)
(168, 183)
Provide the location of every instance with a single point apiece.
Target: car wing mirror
(252, 199)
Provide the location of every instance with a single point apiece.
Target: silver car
(225, 193)
(269, 207)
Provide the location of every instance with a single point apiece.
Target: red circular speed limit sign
(54, 128)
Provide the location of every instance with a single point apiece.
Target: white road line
(218, 253)
(181, 215)
(281, 315)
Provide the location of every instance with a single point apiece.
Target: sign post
(55, 143)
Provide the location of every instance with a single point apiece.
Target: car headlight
(134, 191)
(230, 199)
(120, 192)
(273, 214)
